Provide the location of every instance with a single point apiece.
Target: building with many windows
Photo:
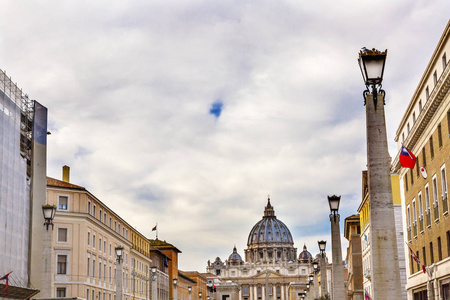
(352, 232)
(86, 233)
(271, 270)
(425, 130)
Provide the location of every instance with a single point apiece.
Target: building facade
(85, 236)
(424, 130)
(23, 139)
(271, 270)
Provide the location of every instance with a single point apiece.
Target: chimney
(66, 174)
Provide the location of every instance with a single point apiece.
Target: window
(406, 181)
(100, 244)
(104, 246)
(100, 269)
(93, 241)
(448, 122)
(62, 235)
(94, 212)
(60, 292)
(420, 106)
(427, 197)
(115, 226)
(417, 167)
(444, 61)
(435, 198)
(407, 128)
(431, 147)
(87, 294)
(440, 135)
(89, 238)
(412, 176)
(110, 278)
(104, 218)
(408, 218)
(444, 190)
(427, 93)
(439, 248)
(89, 207)
(88, 266)
(435, 77)
(119, 228)
(110, 249)
(403, 137)
(93, 268)
(126, 234)
(414, 117)
(424, 252)
(419, 199)
(414, 211)
(431, 253)
(424, 158)
(63, 202)
(110, 222)
(448, 243)
(100, 215)
(61, 264)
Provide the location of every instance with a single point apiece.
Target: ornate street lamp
(315, 266)
(372, 64)
(386, 282)
(119, 275)
(323, 268)
(336, 251)
(175, 295)
(154, 289)
(49, 214)
(311, 278)
(190, 292)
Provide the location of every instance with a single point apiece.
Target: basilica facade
(271, 270)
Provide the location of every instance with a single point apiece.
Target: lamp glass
(175, 281)
(119, 251)
(372, 66)
(307, 285)
(153, 269)
(322, 245)
(199, 294)
(311, 277)
(315, 265)
(48, 211)
(189, 288)
(334, 201)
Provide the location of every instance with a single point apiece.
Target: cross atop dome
(269, 211)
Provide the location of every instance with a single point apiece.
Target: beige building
(425, 130)
(86, 233)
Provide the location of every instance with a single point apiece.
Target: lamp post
(336, 251)
(119, 271)
(175, 281)
(315, 265)
(154, 289)
(323, 269)
(386, 282)
(47, 256)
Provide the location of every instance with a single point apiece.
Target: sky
(190, 113)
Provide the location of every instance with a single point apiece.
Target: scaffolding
(23, 102)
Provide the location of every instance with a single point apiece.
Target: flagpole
(156, 230)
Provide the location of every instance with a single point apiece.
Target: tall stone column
(119, 281)
(155, 289)
(323, 276)
(384, 255)
(47, 282)
(316, 286)
(336, 251)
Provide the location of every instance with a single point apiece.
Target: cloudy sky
(190, 113)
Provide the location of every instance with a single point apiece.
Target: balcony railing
(428, 218)
(409, 234)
